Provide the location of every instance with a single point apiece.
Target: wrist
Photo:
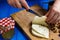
(56, 6)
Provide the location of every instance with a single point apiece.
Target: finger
(13, 3)
(17, 3)
(48, 13)
(59, 22)
(24, 3)
(51, 15)
(58, 19)
(52, 21)
(9, 2)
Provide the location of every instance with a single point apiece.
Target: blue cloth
(6, 10)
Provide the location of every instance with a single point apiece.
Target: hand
(18, 3)
(53, 16)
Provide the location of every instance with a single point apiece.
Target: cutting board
(24, 20)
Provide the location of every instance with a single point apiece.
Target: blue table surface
(6, 10)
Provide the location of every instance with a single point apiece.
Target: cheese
(40, 31)
(40, 20)
(37, 34)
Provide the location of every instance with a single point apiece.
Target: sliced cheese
(40, 20)
(40, 30)
(37, 34)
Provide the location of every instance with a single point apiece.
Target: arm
(53, 15)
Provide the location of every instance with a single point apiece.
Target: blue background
(6, 10)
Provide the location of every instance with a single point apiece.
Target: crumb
(59, 31)
(59, 35)
(55, 31)
(52, 39)
(58, 27)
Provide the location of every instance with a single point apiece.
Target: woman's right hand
(18, 3)
(53, 16)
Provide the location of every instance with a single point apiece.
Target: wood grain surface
(24, 19)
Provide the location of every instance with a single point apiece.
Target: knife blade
(31, 11)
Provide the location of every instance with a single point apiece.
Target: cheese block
(40, 31)
(40, 20)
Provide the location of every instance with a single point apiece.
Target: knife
(31, 11)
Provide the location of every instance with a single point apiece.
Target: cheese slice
(40, 30)
(40, 20)
(37, 34)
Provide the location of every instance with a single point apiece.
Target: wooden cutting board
(24, 19)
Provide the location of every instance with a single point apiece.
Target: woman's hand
(18, 3)
(53, 16)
